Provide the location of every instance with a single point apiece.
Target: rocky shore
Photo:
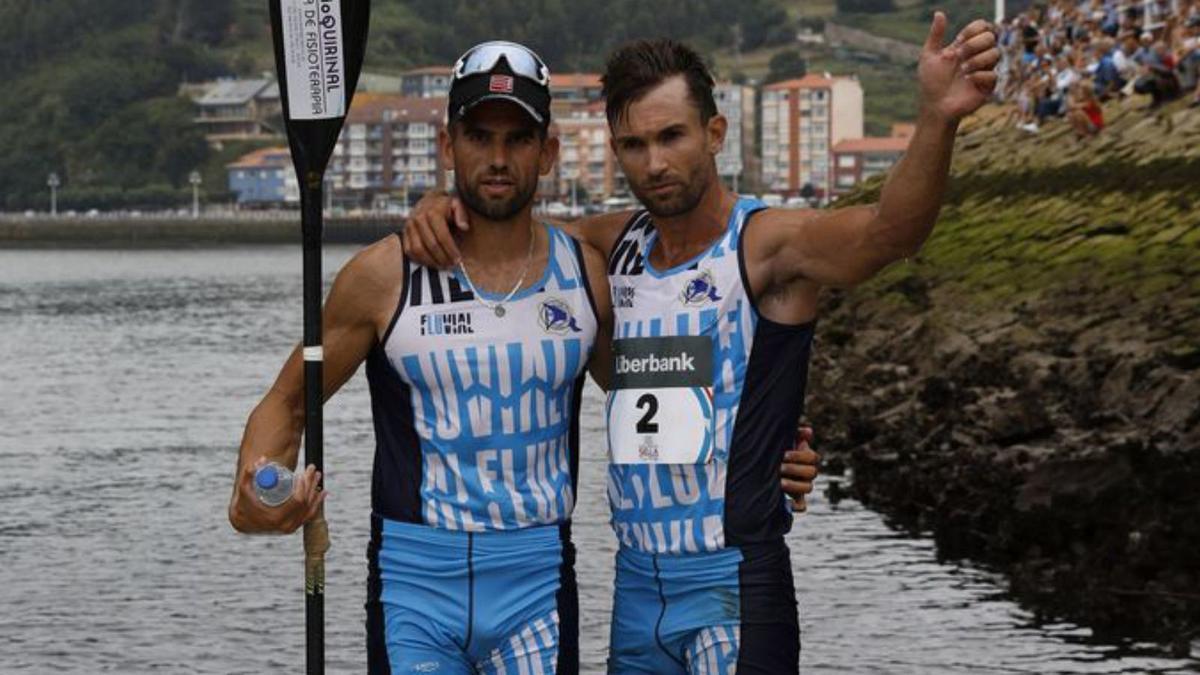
(1027, 389)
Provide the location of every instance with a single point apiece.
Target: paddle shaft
(321, 43)
(316, 537)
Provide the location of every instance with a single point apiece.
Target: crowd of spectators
(1065, 58)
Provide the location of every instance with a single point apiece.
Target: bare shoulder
(764, 232)
(770, 220)
(372, 280)
(380, 262)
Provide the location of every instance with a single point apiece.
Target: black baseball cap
(500, 71)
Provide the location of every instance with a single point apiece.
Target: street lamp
(53, 181)
(195, 180)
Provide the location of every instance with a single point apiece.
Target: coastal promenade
(133, 229)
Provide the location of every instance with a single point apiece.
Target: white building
(802, 119)
(388, 150)
(737, 162)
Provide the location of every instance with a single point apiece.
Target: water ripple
(129, 375)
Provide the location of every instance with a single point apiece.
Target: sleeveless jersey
(705, 399)
(476, 415)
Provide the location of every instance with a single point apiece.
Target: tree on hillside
(32, 31)
(569, 34)
(865, 6)
(785, 65)
(206, 21)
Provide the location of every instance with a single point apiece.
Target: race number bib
(660, 408)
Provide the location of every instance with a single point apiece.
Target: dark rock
(1071, 480)
(1054, 441)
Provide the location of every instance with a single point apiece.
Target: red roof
(808, 82)
(429, 70)
(368, 107)
(575, 80)
(860, 145)
(264, 158)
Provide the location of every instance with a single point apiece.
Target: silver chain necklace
(498, 307)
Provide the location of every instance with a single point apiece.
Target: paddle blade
(319, 49)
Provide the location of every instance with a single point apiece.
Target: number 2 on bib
(647, 425)
(660, 426)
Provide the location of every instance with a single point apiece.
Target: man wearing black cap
(475, 378)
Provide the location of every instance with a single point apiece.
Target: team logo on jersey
(556, 317)
(700, 290)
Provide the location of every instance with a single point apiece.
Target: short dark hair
(637, 67)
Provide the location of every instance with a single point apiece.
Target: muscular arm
(846, 246)
(360, 303)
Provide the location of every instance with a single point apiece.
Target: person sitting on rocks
(1108, 82)
(1157, 76)
(1188, 68)
(1144, 54)
(1127, 68)
(1084, 111)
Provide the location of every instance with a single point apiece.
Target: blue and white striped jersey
(476, 415)
(706, 396)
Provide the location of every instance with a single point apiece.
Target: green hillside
(92, 85)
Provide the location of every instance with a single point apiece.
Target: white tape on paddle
(314, 354)
(314, 56)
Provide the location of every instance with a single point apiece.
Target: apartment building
(572, 92)
(586, 164)
(387, 153)
(858, 159)
(737, 164)
(426, 82)
(802, 120)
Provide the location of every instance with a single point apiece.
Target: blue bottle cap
(266, 477)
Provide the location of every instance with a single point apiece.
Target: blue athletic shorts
(458, 603)
(730, 611)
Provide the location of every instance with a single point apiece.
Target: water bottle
(273, 484)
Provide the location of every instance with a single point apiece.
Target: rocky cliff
(1027, 389)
